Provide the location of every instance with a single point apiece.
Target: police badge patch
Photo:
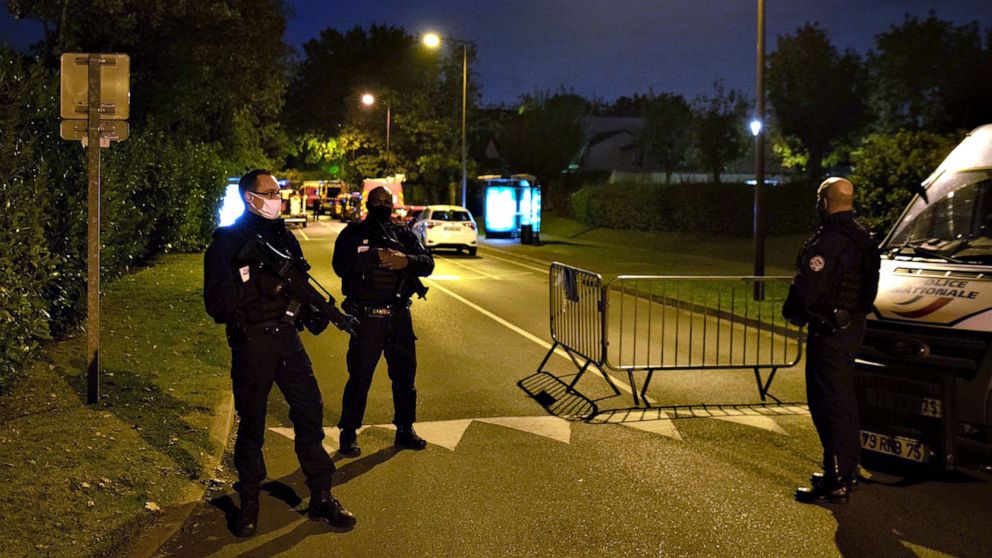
(816, 263)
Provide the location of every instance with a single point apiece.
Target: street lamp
(759, 159)
(433, 40)
(368, 100)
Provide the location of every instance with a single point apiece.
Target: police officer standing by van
(380, 265)
(833, 289)
(254, 304)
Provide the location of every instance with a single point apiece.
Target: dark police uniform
(380, 298)
(265, 348)
(834, 287)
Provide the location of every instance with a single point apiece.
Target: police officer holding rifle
(255, 283)
(834, 288)
(380, 265)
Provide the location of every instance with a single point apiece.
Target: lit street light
(368, 100)
(759, 158)
(433, 40)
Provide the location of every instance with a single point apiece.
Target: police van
(924, 373)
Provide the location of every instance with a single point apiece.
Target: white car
(447, 226)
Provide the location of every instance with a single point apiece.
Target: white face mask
(271, 209)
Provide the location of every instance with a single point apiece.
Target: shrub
(26, 265)
(158, 194)
(695, 208)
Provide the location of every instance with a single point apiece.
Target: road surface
(709, 474)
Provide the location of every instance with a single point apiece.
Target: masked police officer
(834, 287)
(380, 265)
(265, 345)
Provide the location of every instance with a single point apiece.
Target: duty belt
(376, 310)
(270, 328)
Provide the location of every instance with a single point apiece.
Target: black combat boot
(349, 444)
(850, 480)
(406, 437)
(326, 508)
(246, 523)
(831, 490)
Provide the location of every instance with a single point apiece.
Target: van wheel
(472, 250)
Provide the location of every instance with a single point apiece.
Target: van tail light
(469, 224)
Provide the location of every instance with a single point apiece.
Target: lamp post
(368, 100)
(757, 128)
(433, 40)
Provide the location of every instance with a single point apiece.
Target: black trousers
(830, 392)
(279, 359)
(392, 336)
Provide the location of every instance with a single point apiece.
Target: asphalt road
(711, 473)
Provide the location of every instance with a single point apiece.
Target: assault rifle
(297, 282)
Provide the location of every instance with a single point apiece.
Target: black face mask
(380, 213)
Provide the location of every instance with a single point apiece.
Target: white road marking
(303, 234)
(541, 270)
(619, 383)
(661, 426)
(449, 433)
(446, 277)
(762, 422)
(472, 269)
(445, 433)
(549, 427)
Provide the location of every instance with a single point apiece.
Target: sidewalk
(86, 480)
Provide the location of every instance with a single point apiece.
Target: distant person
(265, 349)
(834, 287)
(380, 265)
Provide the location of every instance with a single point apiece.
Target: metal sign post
(85, 90)
(93, 234)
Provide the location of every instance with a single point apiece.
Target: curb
(172, 521)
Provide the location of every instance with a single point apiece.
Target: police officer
(265, 349)
(834, 287)
(380, 265)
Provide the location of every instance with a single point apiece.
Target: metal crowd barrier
(577, 319)
(641, 323)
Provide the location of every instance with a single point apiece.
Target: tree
(203, 71)
(815, 93)
(888, 166)
(667, 134)
(719, 129)
(423, 89)
(931, 75)
(544, 135)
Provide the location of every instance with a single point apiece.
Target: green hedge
(159, 194)
(698, 208)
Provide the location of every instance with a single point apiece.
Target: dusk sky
(606, 49)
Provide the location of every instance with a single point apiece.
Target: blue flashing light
(233, 205)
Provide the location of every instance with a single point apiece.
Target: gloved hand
(391, 259)
(316, 322)
(270, 286)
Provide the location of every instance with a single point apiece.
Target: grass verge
(80, 479)
(613, 252)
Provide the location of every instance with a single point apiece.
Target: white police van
(924, 373)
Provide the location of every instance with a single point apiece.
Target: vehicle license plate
(925, 406)
(899, 446)
(452, 229)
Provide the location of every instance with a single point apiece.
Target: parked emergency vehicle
(924, 373)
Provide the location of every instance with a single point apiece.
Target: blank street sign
(115, 94)
(112, 130)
